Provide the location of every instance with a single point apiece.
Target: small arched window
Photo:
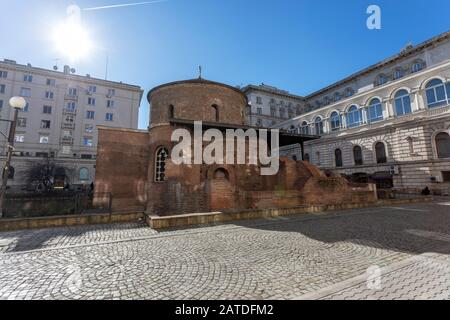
(354, 117)
(221, 174)
(338, 157)
(375, 110)
(380, 80)
(318, 124)
(349, 92)
(160, 164)
(171, 112)
(380, 152)
(335, 121)
(442, 145)
(215, 112)
(398, 73)
(437, 93)
(337, 96)
(84, 174)
(417, 66)
(357, 156)
(306, 156)
(305, 128)
(402, 102)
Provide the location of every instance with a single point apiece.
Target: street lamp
(17, 103)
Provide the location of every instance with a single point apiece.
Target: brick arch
(230, 171)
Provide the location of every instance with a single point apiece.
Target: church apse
(137, 167)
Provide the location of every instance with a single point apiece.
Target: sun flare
(72, 40)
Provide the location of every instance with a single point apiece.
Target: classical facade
(59, 123)
(388, 123)
(137, 167)
(269, 105)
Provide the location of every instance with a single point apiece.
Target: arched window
(417, 66)
(318, 158)
(160, 164)
(215, 112)
(305, 128)
(338, 157)
(437, 93)
(84, 174)
(171, 111)
(357, 156)
(349, 92)
(292, 129)
(442, 145)
(398, 73)
(335, 121)
(402, 102)
(337, 96)
(221, 174)
(380, 80)
(380, 152)
(318, 124)
(354, 117)
(306, 157)
(375, 110)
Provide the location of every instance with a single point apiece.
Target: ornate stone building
(137, 168)
(389, 123)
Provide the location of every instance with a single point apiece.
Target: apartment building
(270, 105)
(59, 121)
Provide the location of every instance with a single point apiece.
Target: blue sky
(300, 46)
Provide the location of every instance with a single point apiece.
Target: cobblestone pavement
(320, 256)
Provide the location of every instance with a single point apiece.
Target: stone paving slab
(266, 259)
(423, 277)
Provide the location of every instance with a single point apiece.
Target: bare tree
(45, 174)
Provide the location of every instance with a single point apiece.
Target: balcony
(70, 111)
(66, 140)
(66, 125)
(72, 97)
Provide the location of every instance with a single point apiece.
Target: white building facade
(388, 124)
(270, 106)
(60, 119)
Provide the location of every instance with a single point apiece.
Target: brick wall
(122, 166)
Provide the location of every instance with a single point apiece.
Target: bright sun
(72, 40)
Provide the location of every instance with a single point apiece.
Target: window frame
(358, 161)
(399, 101)
(160, 164)
(445, 87)
(374, 106)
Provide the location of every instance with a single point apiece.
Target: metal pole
(10, 147)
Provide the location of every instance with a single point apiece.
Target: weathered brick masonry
(126, 162)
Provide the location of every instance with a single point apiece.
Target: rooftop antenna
(199, 72)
